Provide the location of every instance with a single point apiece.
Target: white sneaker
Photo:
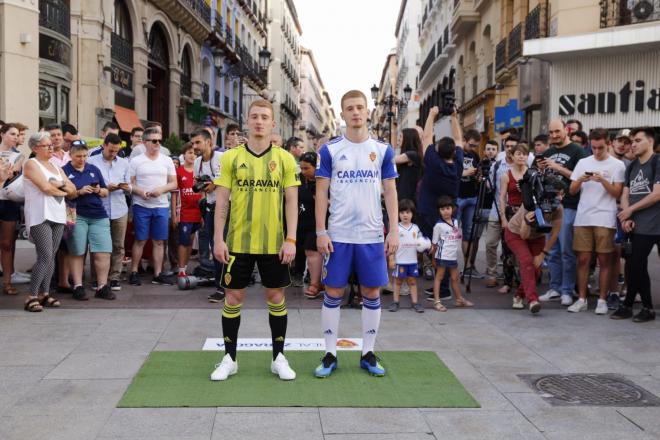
(20, 278)
(517, 303)
(224, 369)
(580, 306)
(280, 366)
(601, 308)
(566, 300)
(550, 295)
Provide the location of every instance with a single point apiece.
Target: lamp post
(391, 101)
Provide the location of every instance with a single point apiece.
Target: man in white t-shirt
(152, 176)
(600, 178)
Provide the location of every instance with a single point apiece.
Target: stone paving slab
(72, 377)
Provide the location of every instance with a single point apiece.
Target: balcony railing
(427, 63)
(500, 55)
(55, 15)
(621, 13)
(201, 8)
(535, 24)
(186, 86)
(515, 43)
(445, 35)
(205, 93)
(121, 50)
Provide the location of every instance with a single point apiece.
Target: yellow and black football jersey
(256, 184)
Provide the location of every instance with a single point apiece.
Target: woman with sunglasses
(10, 212)
(45, 185)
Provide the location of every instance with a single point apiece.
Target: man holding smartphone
(600, 179)
(114, 170)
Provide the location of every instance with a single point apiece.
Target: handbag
(13, 190)
(70, 224)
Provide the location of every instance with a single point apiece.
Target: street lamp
(264, 58)
(391, 102)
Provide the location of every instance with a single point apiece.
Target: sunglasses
(154, 141)
(78, 143)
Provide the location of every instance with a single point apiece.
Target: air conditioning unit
(644, 10)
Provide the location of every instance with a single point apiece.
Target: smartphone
(588, 173)
(94, 185)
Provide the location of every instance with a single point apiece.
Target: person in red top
(186, 214)
(510, 201)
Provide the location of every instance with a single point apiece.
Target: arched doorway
(158, 108)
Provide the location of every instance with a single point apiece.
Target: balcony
(251, 10)
(500, 55)
(430, 57)
(55, 15)
(515, 43)
(121, 50)
(193, 15)
(618, 13)
(536, 23)
(464, 17)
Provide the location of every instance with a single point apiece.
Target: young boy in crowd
(406, 268)
(186, 216)
(447, 238)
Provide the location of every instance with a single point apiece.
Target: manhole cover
(590, 389)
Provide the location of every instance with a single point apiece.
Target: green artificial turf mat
(415, 379)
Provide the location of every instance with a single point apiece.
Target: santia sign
(625, 100)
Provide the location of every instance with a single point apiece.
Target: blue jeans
(561, 260)
(465, 213)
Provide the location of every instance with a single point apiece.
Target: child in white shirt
(406, 268)
(447, 238)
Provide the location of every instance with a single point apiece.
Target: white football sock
(370, 323)
(330, 313)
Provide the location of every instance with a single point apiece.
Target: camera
(448, 99)
(540, 190)
(201, 182)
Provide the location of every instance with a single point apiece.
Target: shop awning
(640, 37)
(126, 118)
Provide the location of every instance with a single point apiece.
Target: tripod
(476, 220)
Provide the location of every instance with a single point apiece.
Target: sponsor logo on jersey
(258, 185)
(358, 174)
(242, 166)
(343, 157)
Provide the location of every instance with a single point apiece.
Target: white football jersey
(356, 172)
(448, 238)
(407, 252)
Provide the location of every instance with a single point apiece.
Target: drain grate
(590, 389)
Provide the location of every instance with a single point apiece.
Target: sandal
(312, 291)
(32, 305)
(439, 307)
(49, 301)
(463, 303)
(8, 289)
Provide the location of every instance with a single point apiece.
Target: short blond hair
(353, 94)
(264, 104)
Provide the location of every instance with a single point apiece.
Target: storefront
(479, 114)
(608, 79)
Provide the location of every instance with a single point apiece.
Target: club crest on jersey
(227, 278)
(372, 156)
(272, 165)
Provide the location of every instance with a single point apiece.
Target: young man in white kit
(353, 169)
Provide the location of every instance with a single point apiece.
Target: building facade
(316, 117)
(616, 83)
(407, 56)
(284, 72)
(183, 63)
(384, 116)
